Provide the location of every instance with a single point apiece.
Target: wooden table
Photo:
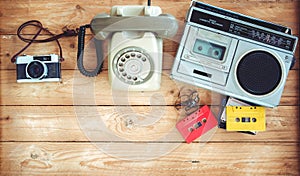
(44, 125)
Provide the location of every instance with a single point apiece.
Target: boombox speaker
(259, 73)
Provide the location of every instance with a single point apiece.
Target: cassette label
(245, 118)
(196, 124)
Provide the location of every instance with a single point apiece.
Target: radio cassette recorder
(234, 54)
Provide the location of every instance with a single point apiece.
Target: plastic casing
(148, 41)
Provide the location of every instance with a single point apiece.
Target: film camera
(38, 68)
(234, 54)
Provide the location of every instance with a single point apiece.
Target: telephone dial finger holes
(133, 65)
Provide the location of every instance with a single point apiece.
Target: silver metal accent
(200, 68)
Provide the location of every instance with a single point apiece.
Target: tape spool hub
(133, 66)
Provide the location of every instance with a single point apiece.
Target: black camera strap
(66, 33)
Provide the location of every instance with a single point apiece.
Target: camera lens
(35, 69)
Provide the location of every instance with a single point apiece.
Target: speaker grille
(259, 73)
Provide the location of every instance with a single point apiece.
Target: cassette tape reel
(209, 49)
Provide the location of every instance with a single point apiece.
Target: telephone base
(135, 58)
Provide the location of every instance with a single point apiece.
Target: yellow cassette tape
(245, 118)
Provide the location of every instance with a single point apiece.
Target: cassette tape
(245, 118)
(196, 124)
(230, 101)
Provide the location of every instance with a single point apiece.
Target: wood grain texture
(76, 89)
(86, 159)
(75, 13)
(79, 126)
(62, 123)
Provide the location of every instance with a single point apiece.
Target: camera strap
(35, 23)
(66, 33)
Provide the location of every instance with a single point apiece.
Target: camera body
(234, 54)
(44, 68)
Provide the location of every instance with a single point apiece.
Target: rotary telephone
(134, 35)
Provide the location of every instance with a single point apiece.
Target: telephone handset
(164, 25)
(135, 45)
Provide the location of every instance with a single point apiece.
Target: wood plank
(156, 124)
(75, 13)
(187, 159)
(98, 91)
(58, 15)
(55, 129)
(70, 92)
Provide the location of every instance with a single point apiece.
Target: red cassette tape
(196, 124)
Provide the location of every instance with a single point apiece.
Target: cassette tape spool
(209, 49)
(245, 118)
(196, 124)
(133, 65)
